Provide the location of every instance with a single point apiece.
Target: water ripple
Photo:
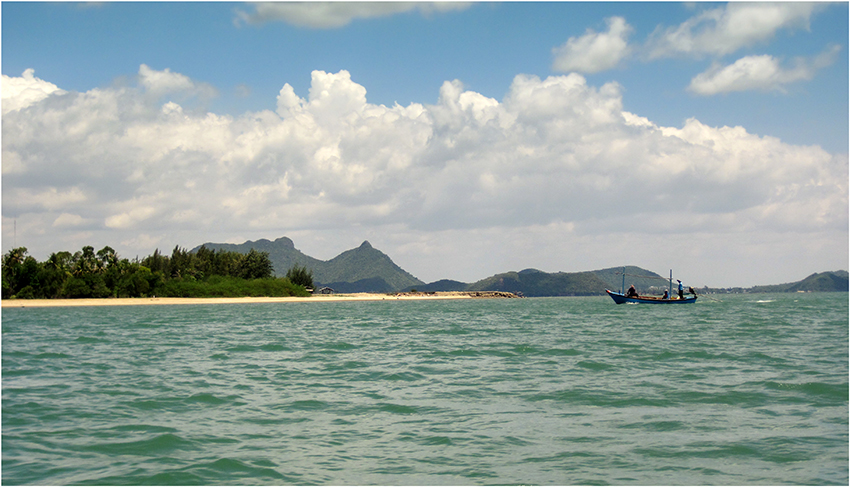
(534, 391)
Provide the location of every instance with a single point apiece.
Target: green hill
(364, 269)
(644, 281)
(532, 282)
(282, 253)
(835, 281)
(373, 269)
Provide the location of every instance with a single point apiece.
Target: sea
(747, 389)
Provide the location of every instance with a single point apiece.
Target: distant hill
(532, 282)
(282, 253)
(364, 269)
(835, 281)
(644, 281)
(370, 267)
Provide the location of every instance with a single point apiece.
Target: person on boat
(666, 295)
(632, 292)
(691, 290)
(681, 290)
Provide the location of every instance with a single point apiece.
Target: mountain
(835, 281)
(371, 268)
(282, 253)
(364, 269)
(532, 282)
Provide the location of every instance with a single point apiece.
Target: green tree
(75, 287)
(89, 285)
(90, 274)
(53, 274)
(107, 257)
(156, 262)
(137, 282)
(19, 271)
(85, 262)
(60, 261)
(205, 262)
(227, 263)
(182, 264)
(256, 265)
(300, 276)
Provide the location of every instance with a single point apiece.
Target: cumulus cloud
(160, 83)
(19, 93)
(556, 157)
(329, 15)
(69, 220)
(163, 81)
(594, 51)
(763, 73)
(724, 30)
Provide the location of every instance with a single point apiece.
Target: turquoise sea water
(749, 390)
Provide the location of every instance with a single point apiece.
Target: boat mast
(623, 286)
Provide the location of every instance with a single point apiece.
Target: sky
(461, 139)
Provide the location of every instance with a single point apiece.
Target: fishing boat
(621, 297)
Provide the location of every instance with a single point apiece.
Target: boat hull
(620, 298)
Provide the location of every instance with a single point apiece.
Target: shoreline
(317, 298)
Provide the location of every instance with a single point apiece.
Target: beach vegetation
(228, 286)
(104, 274)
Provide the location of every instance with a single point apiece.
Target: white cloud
(144, 241)
(12, 163)
(159, 83)
(594, 51)
(163, 81)
(727, 29)
(68, 220)
(19, 93)
(329, 15)
(38, 197)
(763, 73)
(556, 157)
(130, 218)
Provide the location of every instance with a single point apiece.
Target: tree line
(103, 274)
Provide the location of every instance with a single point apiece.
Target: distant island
(835, 281)
(366, 269)
(532, 282)
(267, 268)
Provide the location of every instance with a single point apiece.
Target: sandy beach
(318, 298)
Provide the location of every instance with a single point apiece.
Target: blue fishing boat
(622, 298)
